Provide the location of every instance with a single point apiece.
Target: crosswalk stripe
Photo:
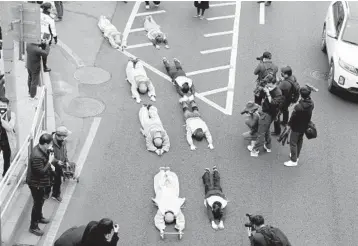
(208, 70)
(151, 13)
(221, 17)
(215, 50)
(217, 34)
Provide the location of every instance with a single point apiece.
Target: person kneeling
(140, 83)
(215, 200)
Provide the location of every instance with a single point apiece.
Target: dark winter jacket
(92, 238)
(262, 67)
(301, 115)
(71, 237)
(286, 87)
(34, 54)
(38, 172)
(202, 4)
(258, 239)
(272, 107)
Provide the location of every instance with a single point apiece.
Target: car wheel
(323, 40)
(331, 86)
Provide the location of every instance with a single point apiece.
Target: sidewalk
(25, 114)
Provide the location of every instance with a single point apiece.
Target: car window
(350, 34)
(338, 16)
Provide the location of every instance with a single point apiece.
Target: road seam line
(203, 52)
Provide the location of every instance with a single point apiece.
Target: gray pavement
(314, 203)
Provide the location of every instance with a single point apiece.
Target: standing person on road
(39, 179)
(182, 83)
(195, 126)
(252, 121)
(156, 4)
(137, 77)
(156, 137)
(33, 63)
(59, 9)
(7, 133)
(291, 91)
(215, 200)
(48, 30)
(263, 69)
(270, 107)
(301, 116)
(155, 35)
(201, 6)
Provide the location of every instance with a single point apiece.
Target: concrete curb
(22, 200)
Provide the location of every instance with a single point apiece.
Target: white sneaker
(250, 147)
(290, 163)
(297, 158)
(254, 153)
(267, 149)
(221, 225)
(147, 6)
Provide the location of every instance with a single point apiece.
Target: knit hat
(62, 130)
(305, 91)
(267, 55)
(286, 69)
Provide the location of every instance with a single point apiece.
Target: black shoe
(275, 133)
(267, 3)
(46, 70)
(36, 231)
(44, 221)
(57, 198)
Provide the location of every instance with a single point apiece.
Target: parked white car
(340, 42)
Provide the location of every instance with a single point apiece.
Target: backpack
(295, 90)
(270, 236)
(269, 70)
(311, 131)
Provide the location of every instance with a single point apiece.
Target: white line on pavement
(221, 4)
(130, 22)
(75, 57)
(208, 70)
(221, 17)
(207, 93)
(215, 50)
(233, 58)
(139, 45)
(217, 34)
(70, 189)
(211, 103)
(151, 13)
(262, 13)
(137, 30)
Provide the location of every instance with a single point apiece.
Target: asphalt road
(314, 203)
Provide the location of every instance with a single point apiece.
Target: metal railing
(14, 177)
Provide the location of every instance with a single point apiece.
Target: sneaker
(57, 198)
(254, 153)
(201, 17)
(176, 59)
(290, 163)
(297, 158)
(147, 7)
(250, 147)
(47, 69)
(267, 149)
(196, 16)
(207, 170)
(221, 225)
(215, 168)
(156, 5)
(36, 231)
(44, 221)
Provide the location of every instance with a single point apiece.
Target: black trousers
(59, 9)
(174, 71)
(38, 196)
(155, 2)
(277, 122)
(296, 140)
(216, 182)
(33, 81)
(6, 153)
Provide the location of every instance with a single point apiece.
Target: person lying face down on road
(215, 200)
(166, 187)
(110, 32)
(140, 83)
(195, 126)
(155, 35)
(182, 83)
(156, 137)
(252, 121)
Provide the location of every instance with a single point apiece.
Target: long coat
(201, 4)
(71, 237)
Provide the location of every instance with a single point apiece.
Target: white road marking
(207, 93)
(262, 13)
(221, 17)
(139, 45)
(151, 13)
(217, 34)
(75, 57)
(70, 189)
(215, 50)
(130, 23)
(233, 58)
(211, 103)
(222, 4)
(137, 30)
(208, 70)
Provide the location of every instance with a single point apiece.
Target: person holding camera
(301, 116)
(215, 200)
(7, 133)
(265, 235)
(263, 69)
(39, 179)
(252, 121)
(290, 90)
(270, 107)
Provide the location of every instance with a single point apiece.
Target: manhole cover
(92, 75)
(83, 107)
(319, 75)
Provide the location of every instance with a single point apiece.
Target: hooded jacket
(286, 87)
(301, 115)
(272, 107)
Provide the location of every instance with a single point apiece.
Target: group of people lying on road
(153, 30)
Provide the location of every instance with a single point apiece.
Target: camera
(261, 58)
(250, 224)
(245, 112)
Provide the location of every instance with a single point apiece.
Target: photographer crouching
(265, 235)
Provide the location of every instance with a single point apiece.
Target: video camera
(244, 112)
(250, 224)
(261, 58)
